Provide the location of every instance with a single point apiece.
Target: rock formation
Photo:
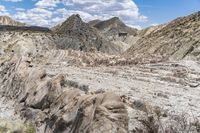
(114, 26)
(56, 107)
(47, 95)
(84, 37)
(176, 40)
(116, 32)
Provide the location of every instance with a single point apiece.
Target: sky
(135, 13)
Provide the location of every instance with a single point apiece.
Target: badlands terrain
(100, 77)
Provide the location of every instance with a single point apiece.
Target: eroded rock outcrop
(54, 107)
(116, 32)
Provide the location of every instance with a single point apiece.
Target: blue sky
(137, 13)
(162, 11)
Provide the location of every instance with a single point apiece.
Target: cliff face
(177, 40)
(5, 20)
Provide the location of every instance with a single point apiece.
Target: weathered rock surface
(55, 108)
(176, 40)
(57, 95)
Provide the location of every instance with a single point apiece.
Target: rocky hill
(46, 87)
(85, 37)
(26, 42)
(76, 34)
(5, 20)
(116, 32)
(177, 40)
(114, 26)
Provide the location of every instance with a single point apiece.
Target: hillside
(73, 79)
(84, 36)
(5, 20)
(72, 34)
(24, 28)
(115, 26)
(177, 40)
(116, 32)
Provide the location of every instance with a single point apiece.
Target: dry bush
(180, 73)
(156, 121)
(94, 58)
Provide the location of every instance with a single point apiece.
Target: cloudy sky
(137, 13)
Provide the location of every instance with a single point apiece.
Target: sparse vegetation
(30, 128)
(9, 126)
(157, 121)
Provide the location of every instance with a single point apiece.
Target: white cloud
(49, 12)
(154, 24)
(135, 26)
(47, 3)
(35, 16)
(3, 10)
(125, 9)
(20, 9)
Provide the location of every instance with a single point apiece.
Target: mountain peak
(72, 23)
(113, 22)
(84, 36)
(115, 19)
(75, 17)
(114, 26)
